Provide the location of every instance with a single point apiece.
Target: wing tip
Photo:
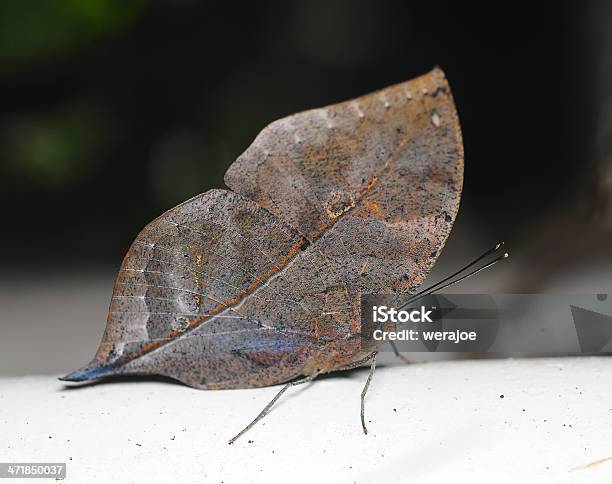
(93, 371)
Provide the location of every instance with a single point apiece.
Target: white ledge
(428, 423)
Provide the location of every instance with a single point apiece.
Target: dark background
(111, 112)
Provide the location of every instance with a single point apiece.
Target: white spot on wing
(385, 101)
(358, 109)
(435, 119)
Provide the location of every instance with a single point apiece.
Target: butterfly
(260, 284)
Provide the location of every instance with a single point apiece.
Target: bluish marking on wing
(279, 345)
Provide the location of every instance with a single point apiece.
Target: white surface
(450, 424)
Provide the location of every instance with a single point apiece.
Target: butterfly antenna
(441, 284)
(467, 266)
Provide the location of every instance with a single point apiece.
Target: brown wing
(376, 181)
(255, 286)
(208, 294)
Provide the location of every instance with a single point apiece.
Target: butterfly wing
(194, 298)
(258, 285)
(376, 181)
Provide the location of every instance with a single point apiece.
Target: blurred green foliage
(53, 150)
(113, 111)
(42, 30)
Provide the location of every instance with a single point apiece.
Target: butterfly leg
(398, 354)
(365, 390)
(372, 359)
(269, 406)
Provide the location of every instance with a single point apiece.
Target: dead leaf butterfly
(260, 284)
